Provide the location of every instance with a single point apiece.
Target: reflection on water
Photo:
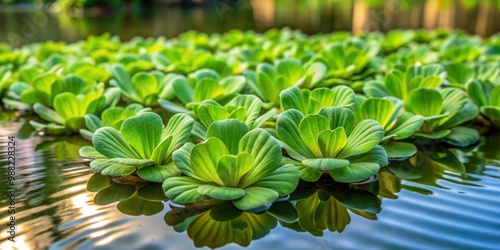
(440, 198)
(27, 25)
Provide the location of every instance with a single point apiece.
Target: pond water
(440, 199)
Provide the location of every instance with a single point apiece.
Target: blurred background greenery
(28, 21)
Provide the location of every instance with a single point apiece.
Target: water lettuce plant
(460, 74)
(330, 142)
(142, 146)
(400, 83)
(460, 48)
(398, 124)
(311, 101)
(347, 61)
(395, 39)
(143, 88)
(202, 85)
(246, 108)
(111, 117)
(443, 110)
(69, 110)
(486, 95)
(184, 60)
(34, 87)
(234, 164)
(267, 81)
(406, 57)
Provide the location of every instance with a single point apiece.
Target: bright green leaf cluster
(331, 142)
(487, 96)
(141, 146)
(443, 110)
(233, 164)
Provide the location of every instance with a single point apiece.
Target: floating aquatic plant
(141, 146)
(143, 88)
(348, 61)
(311, 101)
(235, 164)
(486, 95)
(69, 110)
(267, 81)
(330, 142)
(398, 124)
(111, 117)
(443, 110)
(202, 85)
(246, 108)
(399, 83)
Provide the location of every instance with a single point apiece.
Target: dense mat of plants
(241, 116)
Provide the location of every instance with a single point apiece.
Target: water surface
(448, 199)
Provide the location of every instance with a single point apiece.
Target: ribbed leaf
(182, 189)
(375, 89)
(380, 110)
(114, 117)
(479, 92)
(343, 96)
(161, 153)
(207, 88)
(425, 101)
(221, 193)
(365, 136)
(231, 168)
(93, 122)
(183, 90)
(495, 97)
(332, 141)
(309, 129)
(294, 98)
(288, 131)
(468, 112)
(179, 127)
(325, 97)
(406, 125)
(143, 133)
(354, 172)
(453, 100)
(67, 105)
(123, 82)
(325, 163)
(462, 136)
(339, 117)
(205, 158)
(256, 197)
(208, 113)
(144, 84)
(398, 150)
(158, 173)
(284, 180)
(394, 82)
(111, 143)
(180, 158)
(90, 152)
(266, 153)
(47, 114)
(230, 132)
